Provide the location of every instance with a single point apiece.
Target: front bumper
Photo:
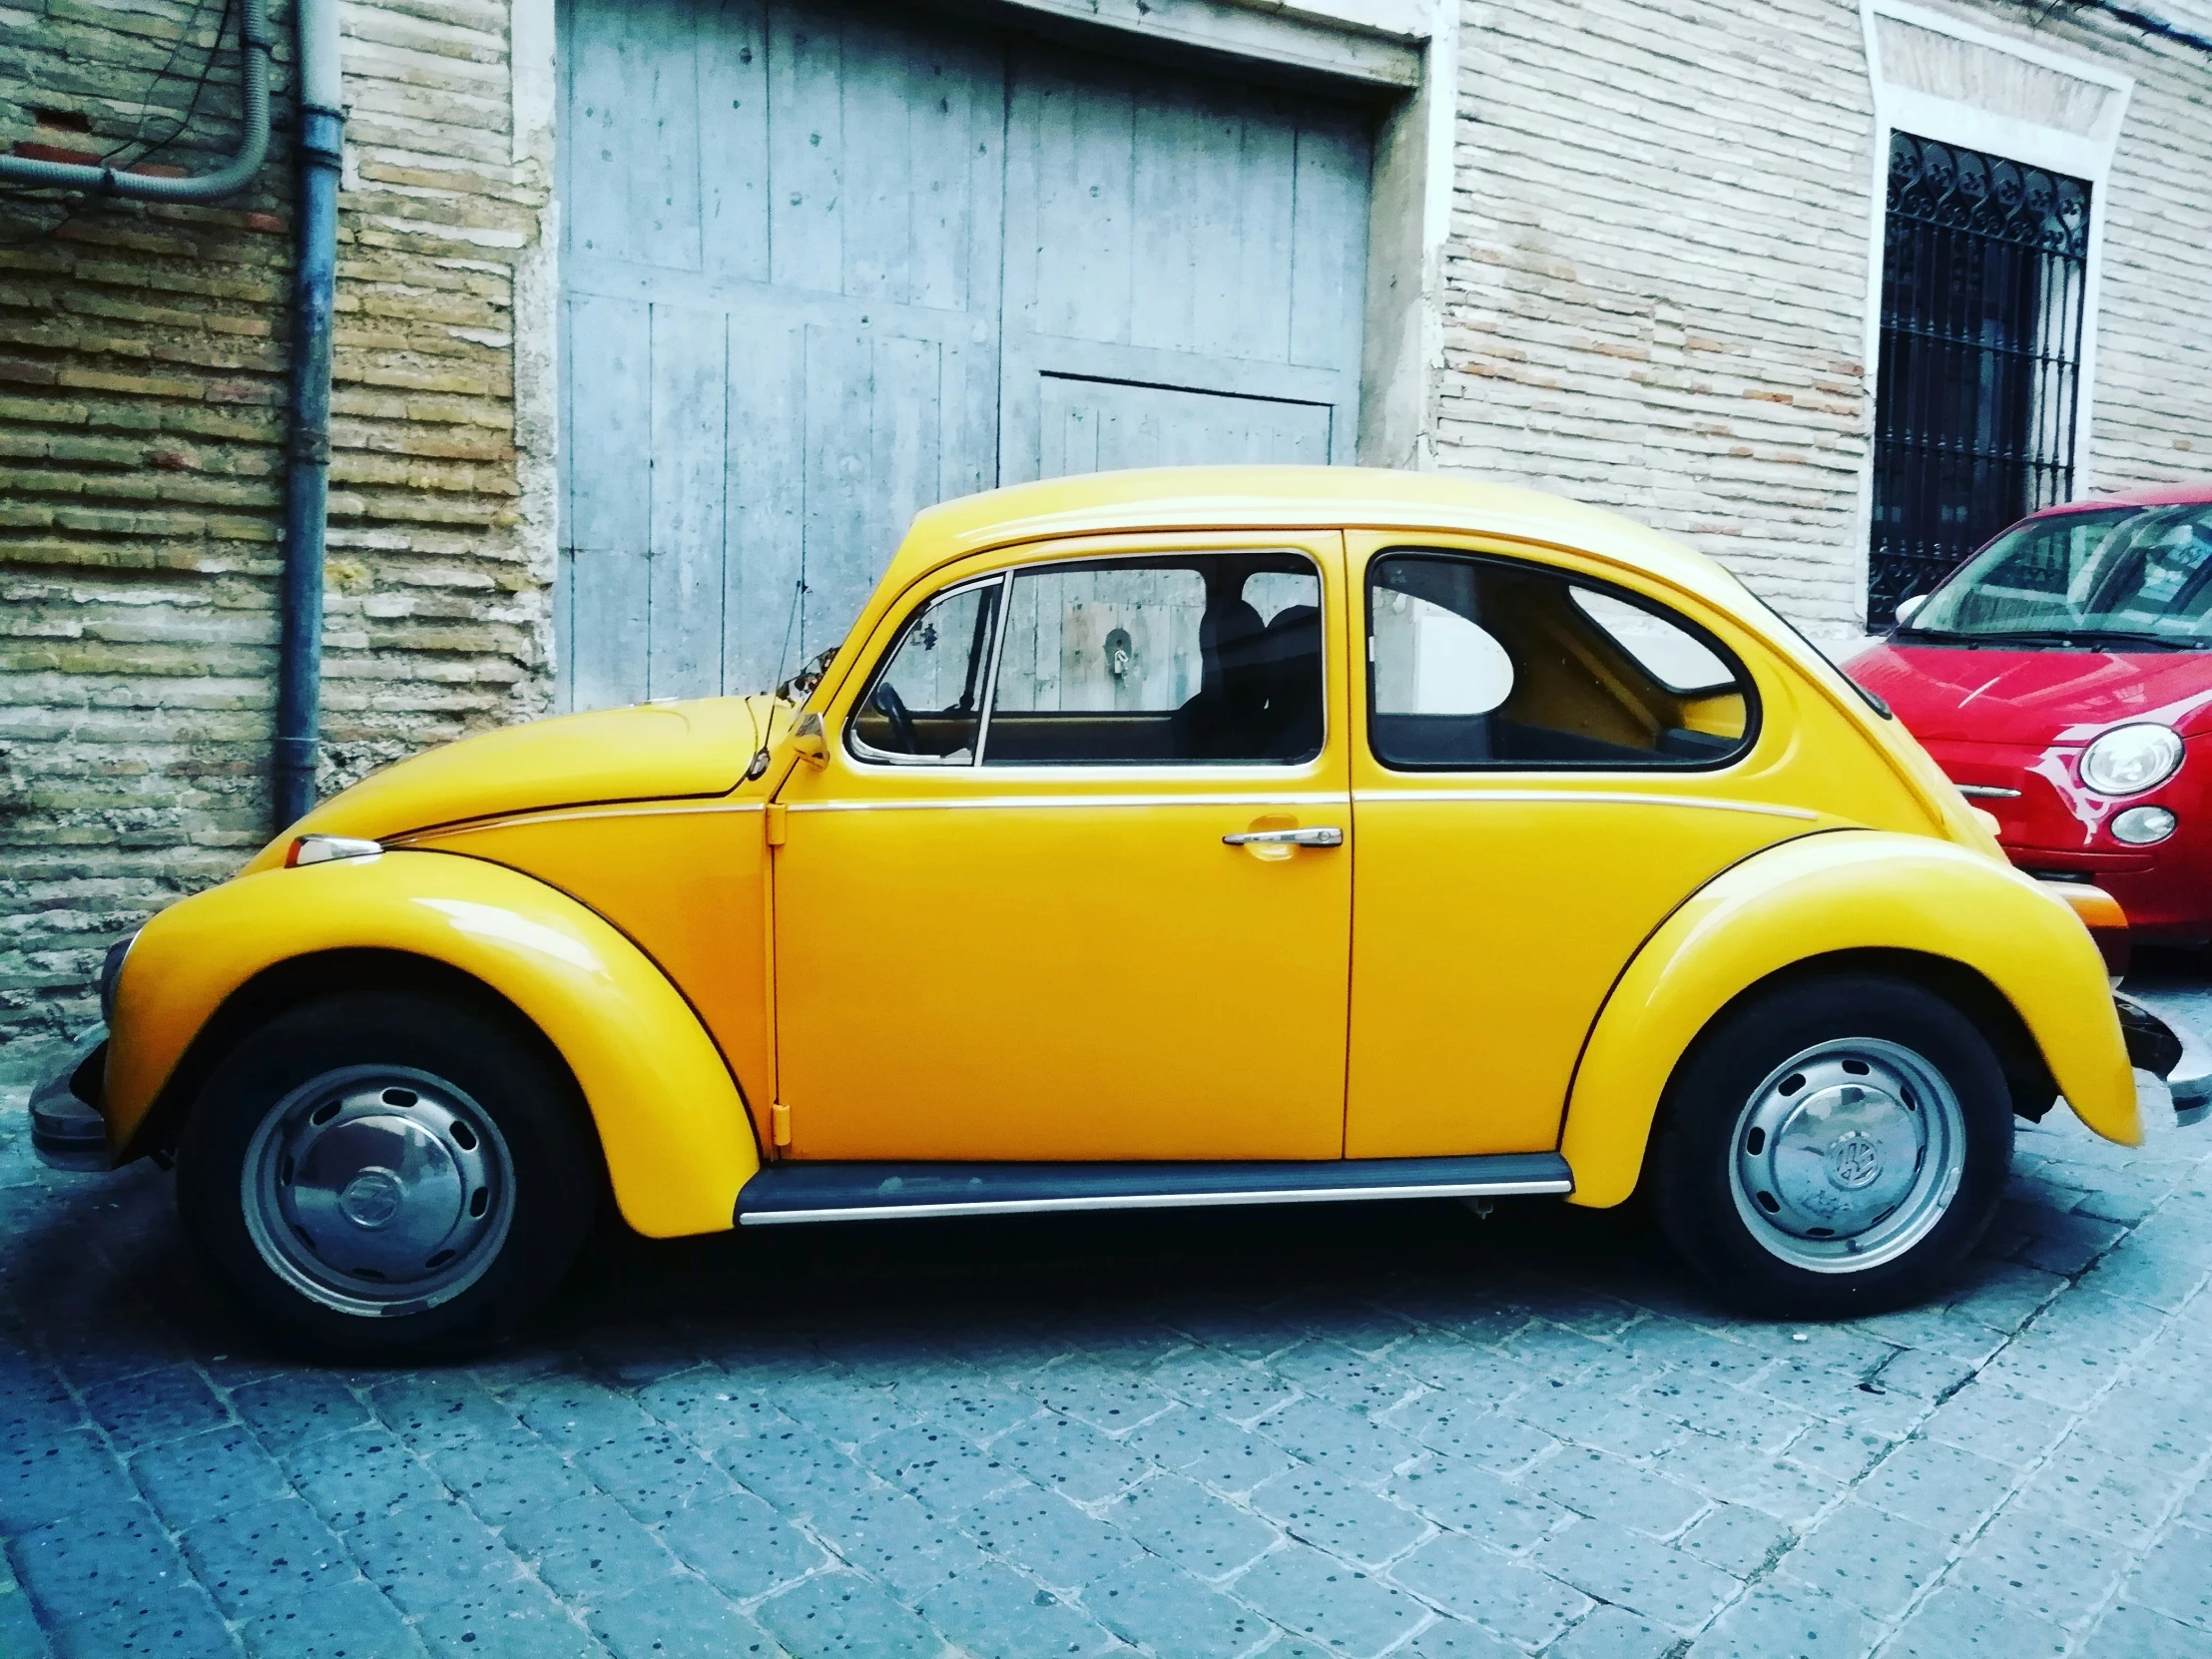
(67, 1130)
(2173, 1053)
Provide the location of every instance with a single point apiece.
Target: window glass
(925, 704)
(1484, 663)
(1193, 657)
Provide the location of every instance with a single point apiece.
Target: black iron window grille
(1983, 267)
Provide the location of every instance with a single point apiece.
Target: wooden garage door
(824, 265)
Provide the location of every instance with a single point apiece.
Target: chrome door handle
(1325, 836)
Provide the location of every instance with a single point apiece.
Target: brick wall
(142, 390)
(1658, 279)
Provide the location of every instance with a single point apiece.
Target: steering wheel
(893, 709)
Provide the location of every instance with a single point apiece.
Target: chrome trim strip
(1986, 791)
(563, 815)
(1155, 1201)
(1334, 798)
(1609, 798)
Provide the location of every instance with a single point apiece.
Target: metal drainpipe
(233, 177)
(308, 469)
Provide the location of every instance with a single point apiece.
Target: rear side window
(1477, 663)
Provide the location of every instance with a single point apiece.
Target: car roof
(2189, 492)
(1289, 498)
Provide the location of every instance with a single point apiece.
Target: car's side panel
(675, 1132)
(686, 881)
(1841, 892)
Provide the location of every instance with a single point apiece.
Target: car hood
(1955, 694)
(648, 752)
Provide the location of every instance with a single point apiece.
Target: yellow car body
(814, 959)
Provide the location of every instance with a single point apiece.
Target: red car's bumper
(2052, 826)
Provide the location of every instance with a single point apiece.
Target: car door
(1547, 763)
(1020, 912)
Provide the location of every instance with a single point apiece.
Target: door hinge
(780, 1124)
(775, 818)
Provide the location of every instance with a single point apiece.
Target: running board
(802, 1191)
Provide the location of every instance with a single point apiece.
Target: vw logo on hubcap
(371, 1198)
(1853, 1160)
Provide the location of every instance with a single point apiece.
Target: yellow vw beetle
(1192, 837)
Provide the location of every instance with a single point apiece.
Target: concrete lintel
(1379, 43)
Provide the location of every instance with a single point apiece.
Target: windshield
(2124, 577)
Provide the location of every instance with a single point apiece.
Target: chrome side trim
(1334, 797)
(1155, 1201)
(1609, 798)
(564, 815)
(1986, 791)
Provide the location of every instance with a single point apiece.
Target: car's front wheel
(378, 1176)
(1834, 1146)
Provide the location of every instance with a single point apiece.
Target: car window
(1177, 660)
(1485, 662)
(925, 707)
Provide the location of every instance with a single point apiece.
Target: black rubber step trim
(803, 1192)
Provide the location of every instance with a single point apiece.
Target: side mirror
(1907, 609)
(810, 740)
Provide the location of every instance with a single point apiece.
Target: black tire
(491, 1070)
(1700, 1188)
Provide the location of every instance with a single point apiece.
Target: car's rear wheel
(378, 1176)
(1834, 1146)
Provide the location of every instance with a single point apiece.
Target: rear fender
(1850, 890)
(675, 1132)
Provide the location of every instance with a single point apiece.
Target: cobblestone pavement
(1354, 1429)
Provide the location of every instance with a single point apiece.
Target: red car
(2062, 677)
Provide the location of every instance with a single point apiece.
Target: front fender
(1845, 891)
(676, 1135)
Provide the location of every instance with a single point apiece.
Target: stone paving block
(797, 1470)
(1210, 1449)
(294, 1409)
(1737, 1540)
(2067, 1242)
(1744, 1474)
(254, 1558)
(516, 1620)
(1785, 1621)
(206, 1475)
(1333, 1514)
(1645, 1576)
(2131, 1631)
(1715, 1407)
(2135, 1272)
(1679, 1346)
(686, 1618)
(501, 1476)
(1452, 1639)
(1998, 1422)
(1937, 1486)
(843, 1613)
(438, 1412)
(1868, 1558)
(354, 1477)
(1094, 1394)
(2005, 1296)
(1612, 1489)
(740, 1546)
(1926, 1373)
(1323, 1600)
(165, 1621)
(347, 1621)
(946, 1470)
(66, 1475)
(1628, 1428)
(1073, 1458)
(21, 1637)
(1148, 1602)
(1464, 1371)
(1347, 1441)
(575, 1413)
(1186, 1525)
(2085, 1483)
(1964, 1624)
(1333, 1373)
(93, 1563)
(424, 1555)
(1841, 1397)
(1839, 1451)
(2175, 1578)
(893, 1537)
(709, 1408)
(653, 1474)
(1932, 1330)
(974, 1406)
(1242, 1392)
(1615, 1633)
(589, 1550)
(1049, 1536)
(842, 1412)
(1477, 1584)
(993, 1612)
(1465, 1429)
(156, 1405)
(2057, 1572)
(1468, 1498)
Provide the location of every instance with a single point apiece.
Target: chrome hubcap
(1847, 1155)
(379, 1190)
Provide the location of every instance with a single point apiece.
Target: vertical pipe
(321, 135)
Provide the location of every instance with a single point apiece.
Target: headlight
(2130, 758)
(2144, 825)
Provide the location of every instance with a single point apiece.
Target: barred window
(1984, 266)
